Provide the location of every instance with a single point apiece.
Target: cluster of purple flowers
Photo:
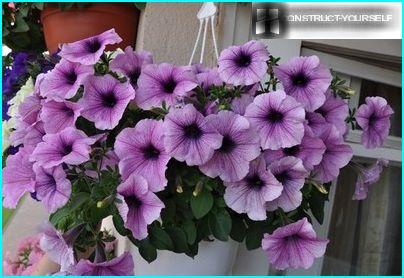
(264, 145)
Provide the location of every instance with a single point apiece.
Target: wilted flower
(163, 83)
(374, 119)
(239, 147)
(278, 119)
(305, 79)
(294, 245)
(131, 63)
(89, 50)
(141, 151)
(243, 64)
(18, 177)
(52, 187)
(289, 171)
(104, 100)
(189, 137)
(251, 193)
(208, 79)
(367, 176)
(70, 146)
(64, 80)
(138, 205)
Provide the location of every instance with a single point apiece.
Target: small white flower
(26, 90)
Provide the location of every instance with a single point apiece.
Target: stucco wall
(169, 31)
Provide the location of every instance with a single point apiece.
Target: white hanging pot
(213, 258)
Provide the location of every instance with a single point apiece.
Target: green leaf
(201, 204)
(253, 237)
(65, 6)
(317, 202)
(168, 213)
(238, 228)
(147, 250)
(140, 5)
(20, 25)
(220, 225)
(160, 239)
(190, 231)
(120, 225)
(79, 199)
(179, 239)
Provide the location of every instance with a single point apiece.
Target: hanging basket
(79, 23)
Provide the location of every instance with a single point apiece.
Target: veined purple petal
(239, 146)
(295, 245)
(189, 136)
(18, 177)
(278, 119)
(88, 51)
(104, 100)
(306, 80)
(119, 266)
(56, 116)
(243, 64)
(251, 193)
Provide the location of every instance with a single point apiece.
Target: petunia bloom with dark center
(131, 64)
(239, 146)
(251, 193)
(305, 79)
(278, 118)
(164, 83)
(104, 100)
(189, 136)
(141, 152)
(243, 64)
(139, 206)
(64, 80)
(88, 51)
(293, 246)
(374, 119)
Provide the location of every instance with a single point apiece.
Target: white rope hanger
(206, 13)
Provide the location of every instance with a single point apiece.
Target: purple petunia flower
(34, 134)
(18, 177)
(310, 151)
(239, 146)
(374, 119)
(208, 79)
(56, 246)
(336, 155)
(70, 146)
(188, 136)
(138, 205)
(294, 245)
(278, 118)
(335, 110)
(289, 171)
(88, 51)
(198, 68)
(240, 104)
(141, 151)
(52, 187)
(64, 80)
(306, 80)
(367, 176)
(243, 64)
(56, 116)
(251, 193)
(163, 83)
(131, 63)
(119, 266)
(104, 100)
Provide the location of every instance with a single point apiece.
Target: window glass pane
(365, 236)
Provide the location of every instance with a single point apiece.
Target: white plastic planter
(214, 258)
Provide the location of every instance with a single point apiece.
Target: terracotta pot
(79, 23)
